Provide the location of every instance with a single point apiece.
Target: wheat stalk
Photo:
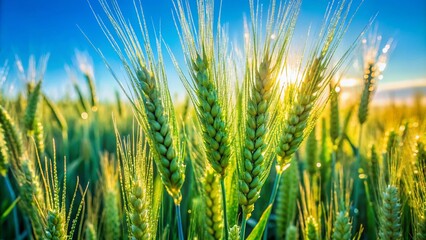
(266, 54)
(20, 103)
(52, 210)
(374, 63)
(208, 83)
(81, 98)
(309, 211)
(207, 181)
(29, 184)
(119, 103)
(312, 152)
(93, 98)
(111, 198)
(31, 110)
(91, 224)
(374, 167)
(324, 158)
(390, 153)
(31, 192)
(308, 99)
(149, 94)
(57, 114)
(141, 197)
(414, 187)
(366, 96)
(86, 67)
(334, 113)
(24, 170)
(375, 60)
(287, 199)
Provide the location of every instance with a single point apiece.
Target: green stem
(14, 211)
(357, 180)
(333, 164)
(275, 189)
(272, 199)
(349, 141)
(225, 216)
(243, 226)
(65, 142)
(358, 156)
(179, 218)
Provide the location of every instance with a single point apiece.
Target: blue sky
(51, 26)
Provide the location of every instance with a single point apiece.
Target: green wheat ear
(90, 232)
(140, 194)
(214, 220)
(420, 153)
(20, 104)
(309, 99)
(111, 198)
(375, 60)
(374, 167)
(148, 93)
(31, 110)
(234, 233)
(31, 192)
(86, 67)
(169, 163)
(367, 93)
(39, 136)
(342, 227)
(291, 233)
(12, 135)
(208, 84)
(57, 114)
(312, 152)
(393, 142)
(4, 157)
(81, 98)
(390, 214)
(207, 181)
(119, 103)
(311, 229)
(265, 60)
(92, 220)
(45, 199)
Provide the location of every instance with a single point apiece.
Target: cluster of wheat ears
(232, 158)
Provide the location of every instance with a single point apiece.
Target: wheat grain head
(266, 55)
(309, 97)
(208, 81)
(148, 92)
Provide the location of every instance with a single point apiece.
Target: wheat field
(262, 146)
